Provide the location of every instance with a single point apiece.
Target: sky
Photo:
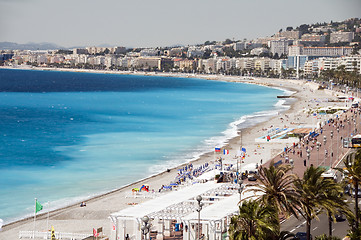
(160, 23)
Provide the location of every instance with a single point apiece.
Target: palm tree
(324, 237)
(352, 173)
(316, 193)
(276, 187)
(255, 221)
(337, 205)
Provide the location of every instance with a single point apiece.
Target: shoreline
(226, 143)
(162, 177)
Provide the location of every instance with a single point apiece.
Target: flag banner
(38, 206)
(217, 149)
(225, 151)
(95, 234)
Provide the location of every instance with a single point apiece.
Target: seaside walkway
(330, 151)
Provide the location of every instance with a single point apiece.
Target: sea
(69, 136)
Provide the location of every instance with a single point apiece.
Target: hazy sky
(151, 23)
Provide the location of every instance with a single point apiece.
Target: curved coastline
(168, 175)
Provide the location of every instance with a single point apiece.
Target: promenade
(329, 138)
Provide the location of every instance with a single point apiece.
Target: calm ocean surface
(65, 136)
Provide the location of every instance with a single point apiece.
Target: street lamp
(308, 154)
(331, 135)
(318, 152)
(240, 189)
(337, 140)
(145, 227)
(199, 208)
(324, 144)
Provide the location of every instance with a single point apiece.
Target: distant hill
(29, 46)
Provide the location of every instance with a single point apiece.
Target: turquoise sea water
(66, 136)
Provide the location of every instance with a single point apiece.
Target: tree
(276, 186)
(352, 174)
(325, 237)
(228, 41)
(314, 193)
(255, 221)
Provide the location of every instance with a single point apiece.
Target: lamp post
(337, 140)
(324, 144)
(240, 189)
(354, 122)
(318, 152)
(199, 208)
(308, 154)
(145, 227)
(331, 135)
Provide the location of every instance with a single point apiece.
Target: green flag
(38, 206)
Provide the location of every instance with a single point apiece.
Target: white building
(319, 51)
(195, 52)
(280, 46)
(336, 37)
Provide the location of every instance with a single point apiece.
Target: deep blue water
(64, 135)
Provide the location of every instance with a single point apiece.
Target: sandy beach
(75, 219)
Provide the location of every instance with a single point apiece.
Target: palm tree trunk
(356, 204)
(329, 224)
(308, 228)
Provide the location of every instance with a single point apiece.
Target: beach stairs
(58, 235)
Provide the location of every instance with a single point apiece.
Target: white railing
(46, 235)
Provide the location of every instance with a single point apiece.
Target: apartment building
(262, 64)
(183, 64)
(148, 62)
(336, 37)
(313, 37)
(280, 46)
(319, 51)
(294, 34)
(311, 67)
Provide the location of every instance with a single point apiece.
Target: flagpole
(34, 217)
(240, 159)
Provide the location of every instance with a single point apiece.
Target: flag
(38, 206)
(217, 149)
(95, 234)
(225, 151)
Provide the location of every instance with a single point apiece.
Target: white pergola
(170, 206)
(215, 218)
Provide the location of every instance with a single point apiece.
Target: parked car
(347, 189)
(301, 236)
(353, 192)
(339, 216)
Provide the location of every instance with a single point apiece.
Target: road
(318, 227)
